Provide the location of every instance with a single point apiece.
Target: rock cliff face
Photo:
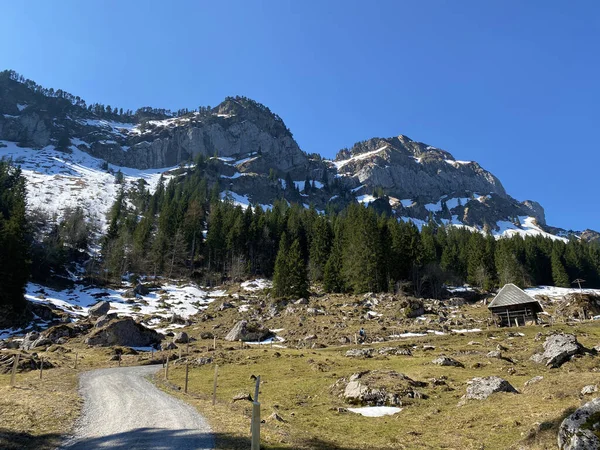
(256, 153)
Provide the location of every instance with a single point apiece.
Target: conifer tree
(14, 247)
(559, 274)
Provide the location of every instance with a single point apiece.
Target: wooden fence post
(214, 342)
(41, 367)
(14, 369)
(187, 370)
(167, 369)
(119, 355)
(214, 399)
(255, 444)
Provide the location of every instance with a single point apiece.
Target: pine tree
(281, 273)
(297, 283)
(320, 248)
(559, 274)
(14, 247)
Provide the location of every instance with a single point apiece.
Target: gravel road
(123, 410)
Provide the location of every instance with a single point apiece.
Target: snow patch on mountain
(59, 180)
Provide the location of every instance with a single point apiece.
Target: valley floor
(301, 374)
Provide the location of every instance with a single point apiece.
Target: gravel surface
(123, 410)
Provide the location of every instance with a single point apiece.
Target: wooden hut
(513, 307)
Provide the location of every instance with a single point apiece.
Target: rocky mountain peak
(259, 159)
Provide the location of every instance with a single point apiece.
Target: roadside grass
(297, 385)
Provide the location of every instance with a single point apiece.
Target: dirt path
(123, 410)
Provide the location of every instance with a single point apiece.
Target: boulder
(60, 331)
(33, 340)
(141, 290)
(124, 331)
(447, 361)
(589, 389)
(168, 346)
(129, 293)
(103, 320)
(481, 388)
(246, 331)
(99, 309)
(558, 348)
(381, 387)
(534, 380)
(181, 338)
(578, 431)
(206, 335)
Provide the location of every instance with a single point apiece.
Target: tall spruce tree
(14, 246)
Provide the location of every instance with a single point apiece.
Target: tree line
(186, 229)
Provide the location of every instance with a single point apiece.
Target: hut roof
(512, 295)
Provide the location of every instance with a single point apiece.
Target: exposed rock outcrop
(124, 332)
(579, 430)
(245, 331)
(558, 349)
(482, 388)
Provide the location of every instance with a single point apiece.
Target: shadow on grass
(11, 440)
(154, 439)
(547, 430)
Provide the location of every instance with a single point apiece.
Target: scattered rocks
(99, 309)
(301, 301)
(428, 348)
(360, 353)
(226, 305)
(124, 331)
(578, 431)
(207, 335)
(399, 351)
(246, 331)
(558, 348)
(481, 388)
(447, 361)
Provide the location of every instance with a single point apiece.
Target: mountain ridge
(257, 154)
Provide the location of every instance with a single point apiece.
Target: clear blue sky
(513, 85)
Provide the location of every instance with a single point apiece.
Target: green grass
(298, 384)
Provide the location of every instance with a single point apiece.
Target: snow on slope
(342, 163)
(558, 293)
(182, 300)
(57, 180)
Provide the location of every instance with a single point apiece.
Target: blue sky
(513, 85)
